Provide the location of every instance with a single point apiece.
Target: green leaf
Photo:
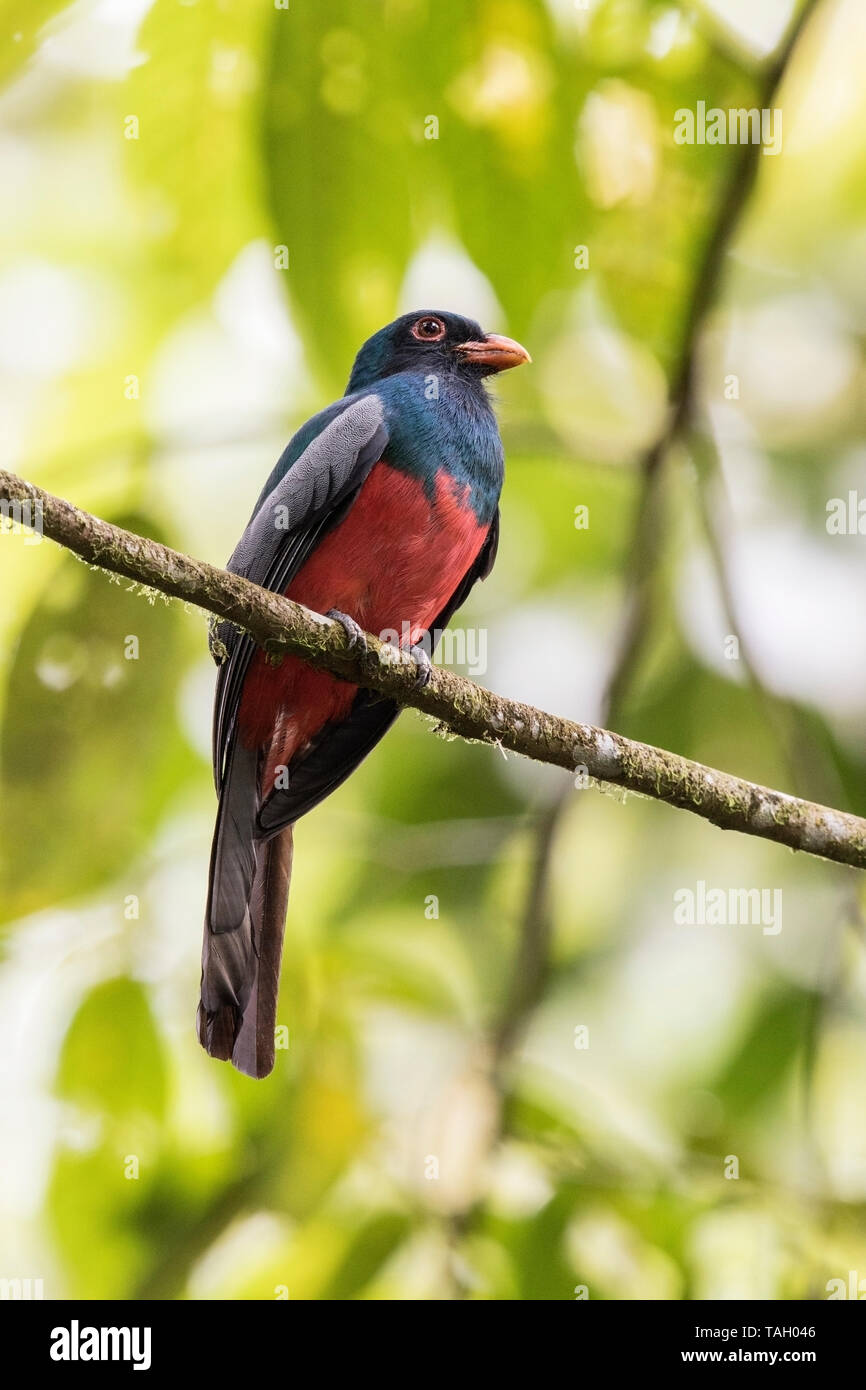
(23, 21)
(91, 749)
(764, 1057)
(370, 1248)
(112, 1058)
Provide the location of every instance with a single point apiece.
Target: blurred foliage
(210, 205)
(72, 688)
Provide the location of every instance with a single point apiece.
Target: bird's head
(436, 342)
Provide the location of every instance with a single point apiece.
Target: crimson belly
(392, 564)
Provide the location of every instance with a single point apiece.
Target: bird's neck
(445, 423)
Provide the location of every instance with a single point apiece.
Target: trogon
(382, 512)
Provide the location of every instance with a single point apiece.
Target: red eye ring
(429, 329)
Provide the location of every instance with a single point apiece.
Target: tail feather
(243, 934)
(253, 1050)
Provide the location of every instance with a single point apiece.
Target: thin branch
(281, 626)
(646, 546)
(648, 533)
(526, 986)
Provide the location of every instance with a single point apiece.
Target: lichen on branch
(457, 704)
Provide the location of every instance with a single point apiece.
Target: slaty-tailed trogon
(382, 511)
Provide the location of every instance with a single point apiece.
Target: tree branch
(647, 544)
(281, 626)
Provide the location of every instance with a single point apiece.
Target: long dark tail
(244, 926)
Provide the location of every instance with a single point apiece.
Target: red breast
(392, 564)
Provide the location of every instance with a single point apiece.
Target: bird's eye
(429, 330)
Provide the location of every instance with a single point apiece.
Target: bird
(381, 513)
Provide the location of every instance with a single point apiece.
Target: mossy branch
(466, 709)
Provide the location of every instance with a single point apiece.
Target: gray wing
(311, 497)
(340, 748)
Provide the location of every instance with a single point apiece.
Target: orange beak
(495, 352)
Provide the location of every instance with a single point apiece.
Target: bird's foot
(354, 633)
(423, 664)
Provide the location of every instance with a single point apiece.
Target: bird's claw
(354, 633)
(423, 664)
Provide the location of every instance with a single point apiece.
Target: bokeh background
(208, 205)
